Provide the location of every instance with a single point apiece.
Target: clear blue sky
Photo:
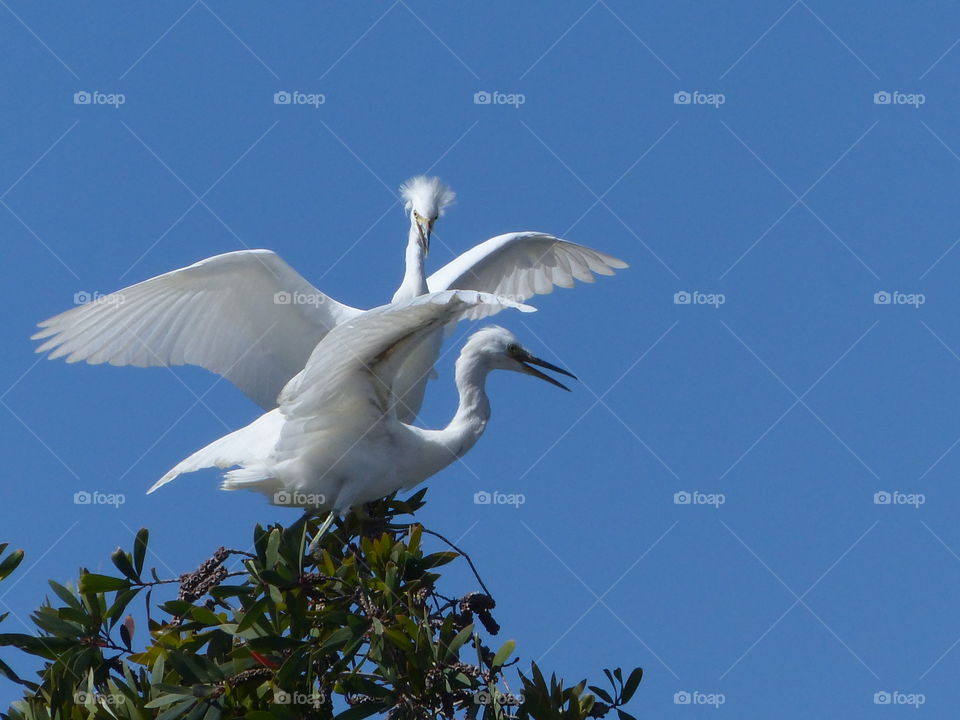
(798, 198)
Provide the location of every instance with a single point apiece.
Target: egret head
(425, 200)
(502, 351)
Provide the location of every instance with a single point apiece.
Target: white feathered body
(336, 441)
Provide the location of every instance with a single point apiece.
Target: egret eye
(513, 349)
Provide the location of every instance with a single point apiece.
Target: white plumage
(336, 440)
(250, 317)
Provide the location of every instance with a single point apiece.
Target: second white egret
(336, 441)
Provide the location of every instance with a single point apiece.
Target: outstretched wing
(246, 315)
(351, 372)
(521, 265)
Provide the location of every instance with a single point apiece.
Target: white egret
(250, 317)
(336, 440)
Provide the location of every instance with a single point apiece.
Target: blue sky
(783, 197)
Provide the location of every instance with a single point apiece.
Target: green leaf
(140, 549)
(457, 642)
(505, 651)
(7, 672)
(176, 712)
(177, 607)
(10, 563)
(66, 595)
(633, 681)
(624, 715)
(358, 712)
(165, 700)
(204, 615)
(252, 615)
(123, 599)
(125, 635)
(602, 694)
(48, 620)
(294, 666)
(338, 639)
(273, 548)
(93, 583)
(124, 564)
(437, 559)
(399, 639)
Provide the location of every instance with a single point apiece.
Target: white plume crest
(429, 196)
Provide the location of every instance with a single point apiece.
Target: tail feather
(253, 477)
(239, 447)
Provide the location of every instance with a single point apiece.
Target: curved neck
(414, 281)
(474, 409)
(471, 417)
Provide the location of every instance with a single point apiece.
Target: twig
(466, 557)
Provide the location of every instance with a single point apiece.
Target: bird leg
(322, 531)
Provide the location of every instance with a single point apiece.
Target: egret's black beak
(526, 360)
(424, 234)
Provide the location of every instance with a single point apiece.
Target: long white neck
(471, 417)
(414, 281)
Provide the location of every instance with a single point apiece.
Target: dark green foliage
(357, 628)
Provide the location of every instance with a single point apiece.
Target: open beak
(424, 233)
(527, 360)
